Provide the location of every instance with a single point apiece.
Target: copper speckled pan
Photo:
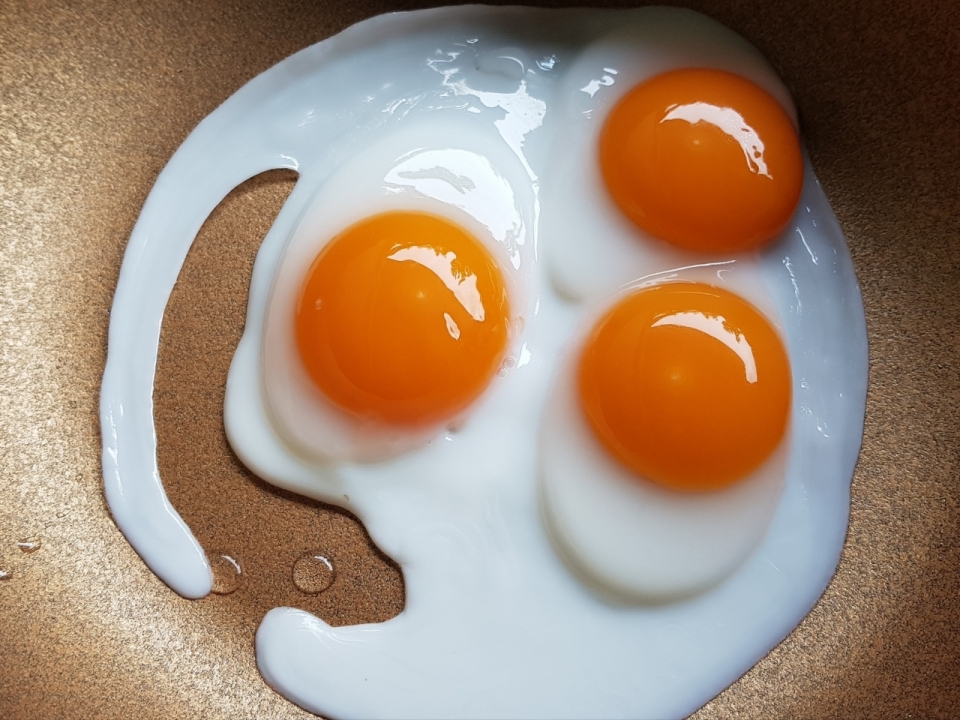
(94, 99)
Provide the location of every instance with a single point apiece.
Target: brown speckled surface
(95, 97)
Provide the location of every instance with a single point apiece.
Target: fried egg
(462, 183)
(442, 180)
(664, 445)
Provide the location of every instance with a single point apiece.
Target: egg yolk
(703, 159)
(688, 385)
(403, 319)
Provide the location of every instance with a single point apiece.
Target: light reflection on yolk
(703, 159)
(686, 384)
(403, 319)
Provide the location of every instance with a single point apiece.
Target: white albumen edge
(668, 660)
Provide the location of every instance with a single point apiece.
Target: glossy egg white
(448, 167)
(496, 624)
(629, 538)
(632, 540)
(593, 247)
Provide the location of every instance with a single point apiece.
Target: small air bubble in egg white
(547, 63)
(313, 573)
(508, 62)
(227, 574)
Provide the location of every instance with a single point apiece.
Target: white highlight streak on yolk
(464, 289)
(452, 327)
(715, 327)
(730, 122)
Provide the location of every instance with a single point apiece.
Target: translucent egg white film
(495, 624)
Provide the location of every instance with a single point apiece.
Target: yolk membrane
(403, 319)
(688, 385)
(703, 159)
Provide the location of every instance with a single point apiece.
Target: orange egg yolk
(403, 319)
(686, 384)
(703, 159)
